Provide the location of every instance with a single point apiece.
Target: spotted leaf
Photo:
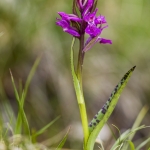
(102, 116)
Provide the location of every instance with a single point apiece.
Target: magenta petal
(88, 6)
(81, 3)
(90, 17)
(92, 30)
(72, 32)
(67, 28)
(105, 41)
(100, 20)
(62, 23)
(69, 17)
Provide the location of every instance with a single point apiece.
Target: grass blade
(102, 116)
(61, 144)
(44, 129)
(125, 136)
(131, 145)
(137, 122)
(14, 86)
(143, 144)
(139, 119)
(18, 126)
(30, 76)
(22, 121)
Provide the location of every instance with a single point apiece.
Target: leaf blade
(102, 116)
(45, 128)
(62, 142)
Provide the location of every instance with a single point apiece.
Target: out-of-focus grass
(27, 30)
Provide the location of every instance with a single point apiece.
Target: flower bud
(81, 4)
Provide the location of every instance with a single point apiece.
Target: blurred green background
(28, 30)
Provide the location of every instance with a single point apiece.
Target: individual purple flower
(94, 23)
(92, 30)
(66, 20)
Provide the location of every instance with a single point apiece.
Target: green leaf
(22, 121)
(61, 144)
(125, 136)
(44, 129)
(18, 126)
(102, 116)
(75, 79)
(30, 76)
(139, 119)
(131, 145)
(14, 86)
(143, 144)
(112, 132)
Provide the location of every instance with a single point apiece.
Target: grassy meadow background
(28, 30)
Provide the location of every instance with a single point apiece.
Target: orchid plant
(82, 21)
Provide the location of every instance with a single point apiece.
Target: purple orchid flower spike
(87, 23)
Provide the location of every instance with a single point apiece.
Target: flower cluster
(85, 22)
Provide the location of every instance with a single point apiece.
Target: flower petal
(72, 32)
(90, 17)
(92, 30)
(62, 23)
(100, 20)
(67, 28)
(88, 6)
(69, 17)
(104, 41)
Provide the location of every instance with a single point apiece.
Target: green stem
(77, 78)
(80, 60)
(82, 106)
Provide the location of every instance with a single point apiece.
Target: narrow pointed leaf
(102, 116)
(61, 144)
(125, 136)
(22, 121)
(143, 144)
(14, 86)
(131, 145)
(44, 128)
(30, 76)
(139, 119)
(75, 79)
(18, 126)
